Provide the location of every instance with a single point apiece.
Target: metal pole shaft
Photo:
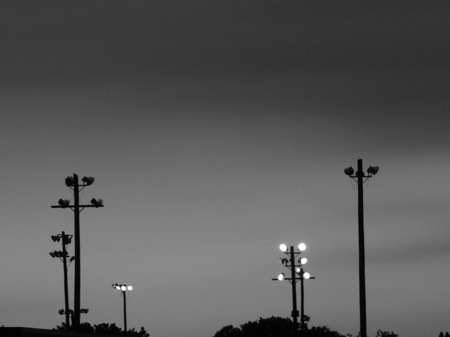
(294, 291)
(362, 276)
(77, 283)
(124, 311)
(302, 292)
(66, 285)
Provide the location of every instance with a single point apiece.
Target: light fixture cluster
(289, 263)
(122, 287)
(371, 171)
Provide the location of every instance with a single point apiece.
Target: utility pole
(73, 183)
(65, 240)
(360, 177)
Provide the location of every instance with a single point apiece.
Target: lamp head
(373, 170)
(303, 260)
(349, 171)
(306, 276)
(55, 238)
(97, 202)
(301, 247)
(88, 180)
(69, 181)
(280, 277)
(283, 247)
(63, 203)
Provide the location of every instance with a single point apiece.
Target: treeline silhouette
(107, 328)
(283, 327)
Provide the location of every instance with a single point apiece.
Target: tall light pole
(123, 288)
(360, 177)
(297, 274)
(73, 183)
(62, 255)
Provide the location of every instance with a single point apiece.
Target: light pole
(360, 177)
(62, 255)
(297, 273)
(123, 288)
(73, 183)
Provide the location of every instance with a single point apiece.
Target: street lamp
(360, 177)
(76, 186)
(123, 288)
(297, 273)
(63, 255)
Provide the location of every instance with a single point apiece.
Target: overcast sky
(217, 130)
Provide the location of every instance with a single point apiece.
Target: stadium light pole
(73, 183)
(62, 255)
(297, 273)
(360, 177)
(123, 288)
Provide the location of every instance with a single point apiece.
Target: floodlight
(306, 276)
(56, 238)
(123, 287)
(88, 180)
(303, 260)
(373, 170)
(297, 270)
(284, 261)
(349, 171)
(97, 202)
(69, 181)
(67, 239)
(280, 277)
(63, 203)
(301, 247)
(84, 311)
(283, 247)
(129, 288)
(52, 254)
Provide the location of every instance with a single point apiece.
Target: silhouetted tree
(273, 327)
(107, 328)
(385, 334)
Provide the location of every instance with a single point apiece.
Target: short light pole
(74, 184)
(297, 274)
(360, 177)
(123, 288)
(63, 255)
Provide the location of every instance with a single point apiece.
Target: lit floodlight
(88, 180)
(301, 247)
(306, 276)
(297, 270)
(129, 288)
(55, 238)
(69, 181)
(280, 277)
(349, 171)
(303, 260)
(63, 203)
(283, 247)
(123, 288)
(373, 170)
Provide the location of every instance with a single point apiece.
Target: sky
(215, 131)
